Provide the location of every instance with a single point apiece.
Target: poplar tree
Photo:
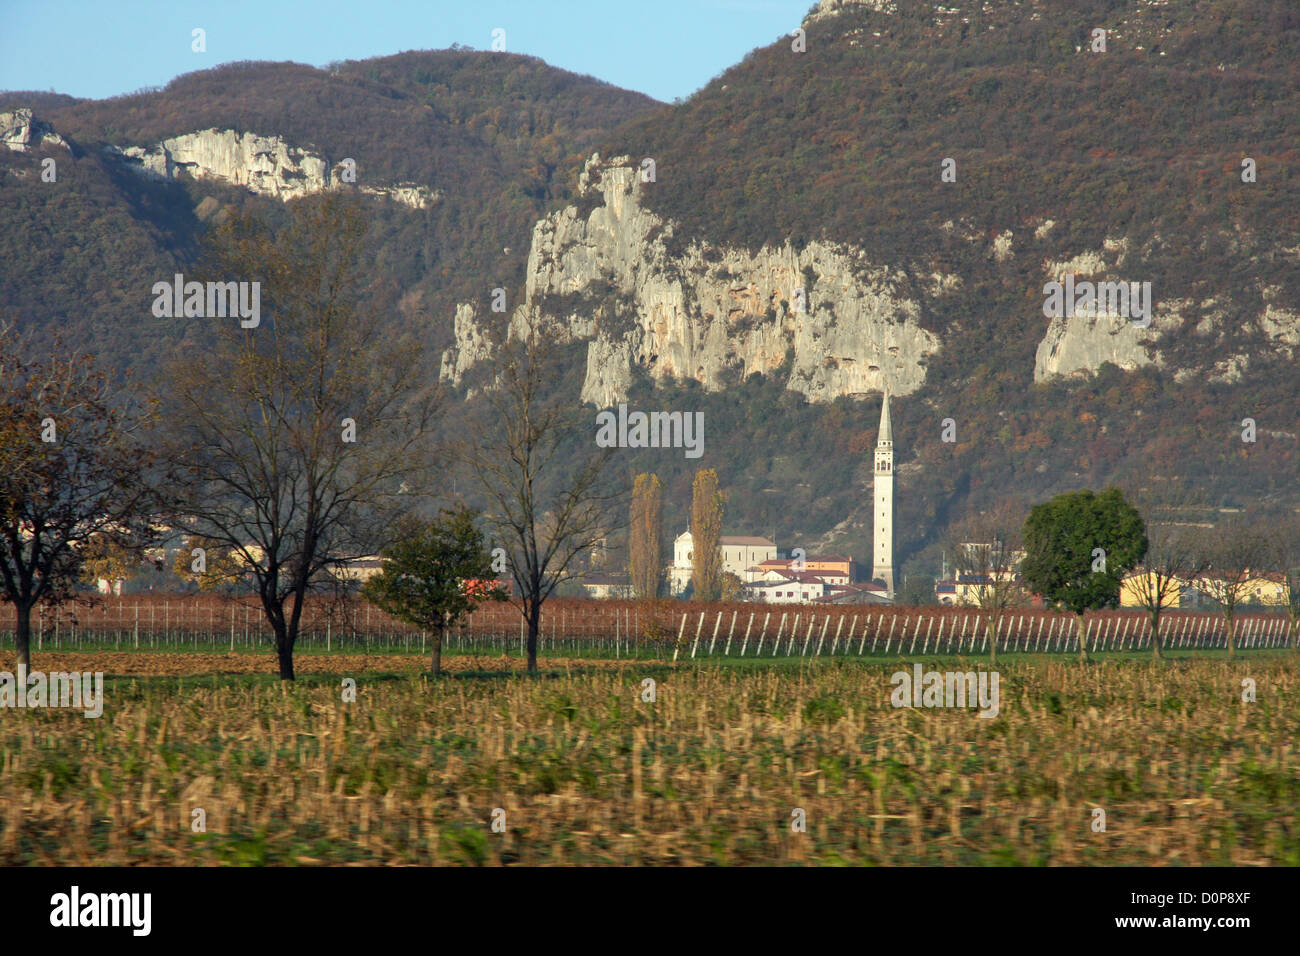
(706, 536)
(645, 536)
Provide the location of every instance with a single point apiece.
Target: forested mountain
(821, 169)
(1127, 165)
(497, 136)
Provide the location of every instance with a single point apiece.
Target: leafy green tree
(1078, 548)
(434, 573)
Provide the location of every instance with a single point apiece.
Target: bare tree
(72, 477)
(1284, 559)
(549, 499)
(1231, 554)
(291, 443)
(988, 550)
(706, 535)
(645, 562)
(1175, 557)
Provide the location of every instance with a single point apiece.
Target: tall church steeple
(882, 559)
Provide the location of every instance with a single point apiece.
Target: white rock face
(710, 313)
(265, 165)
(472, 346)
(829, 8)
(20, 131)
(1078, 345)
(1282, 328)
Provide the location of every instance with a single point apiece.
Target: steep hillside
(821, 174)
(461, 150)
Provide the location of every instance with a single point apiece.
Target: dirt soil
(142, 664)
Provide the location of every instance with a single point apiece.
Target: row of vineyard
(685, 628)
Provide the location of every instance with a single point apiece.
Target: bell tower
(882, 559)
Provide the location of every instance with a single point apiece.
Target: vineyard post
(983, 640)
(838, 627)
(766, 617)
(698, 628)
(862, 642)
(779, 630)
(716, 624)
(680, 631)
(794, 630)
(807, 638)
(826, 622)
(714, 639)
(727, 651)
(893, 620)
(1100, 627)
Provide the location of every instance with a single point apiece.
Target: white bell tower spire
(882, 559)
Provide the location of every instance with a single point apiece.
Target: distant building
(359, 570)
(867, 592)
(604, 586)
(800, 588)
(739, 553)
(1258, 588)
(834, 569)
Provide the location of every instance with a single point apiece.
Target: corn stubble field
(709, 773)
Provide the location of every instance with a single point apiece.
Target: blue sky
(98, 48)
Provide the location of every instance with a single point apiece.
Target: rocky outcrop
(618, 279)
(265, 165)
(21, 132)
(1078, 344)
(829, 8)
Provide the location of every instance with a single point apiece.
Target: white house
(739, 554)
(797, 589)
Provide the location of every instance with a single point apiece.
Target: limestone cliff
(265, 165)
(20, 131)
(617, 279)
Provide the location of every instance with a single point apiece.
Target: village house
(739, 553)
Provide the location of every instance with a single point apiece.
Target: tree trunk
(993, 647)
(1232, 636)
(436, 663)
(23, 638)
(534, 626)
(1155, 634)
(284, 652)
(1083, 641)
